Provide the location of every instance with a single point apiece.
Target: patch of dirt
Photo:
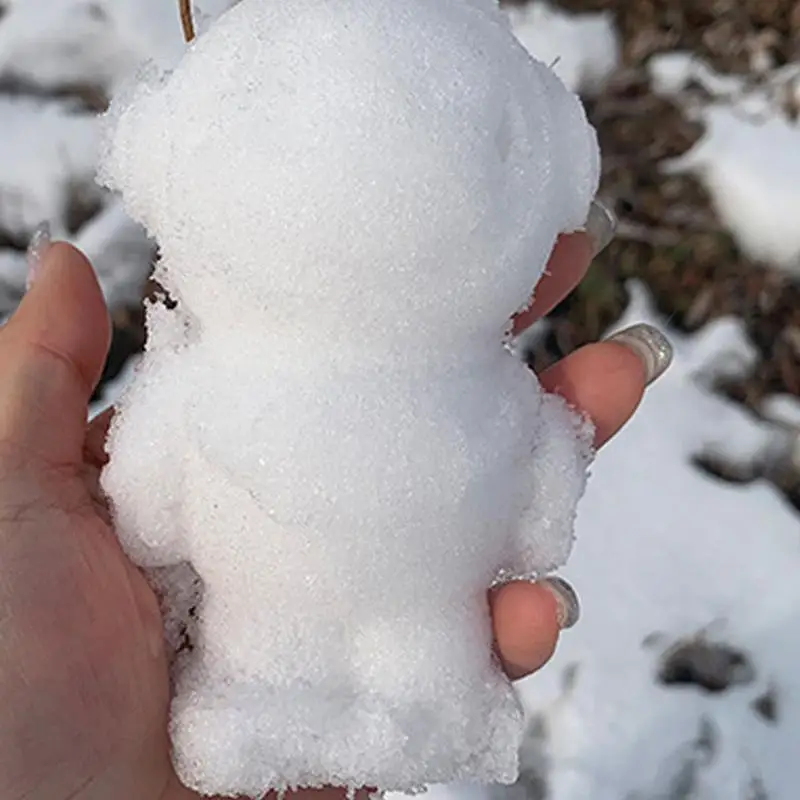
(710, 666)
(766, 706)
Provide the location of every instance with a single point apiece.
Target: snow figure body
(351, 198)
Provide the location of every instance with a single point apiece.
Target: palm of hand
(85, 698)
(83, 672)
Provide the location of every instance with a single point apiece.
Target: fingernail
(650, 345)
(601, 224)
(39, 244)
(567, 604)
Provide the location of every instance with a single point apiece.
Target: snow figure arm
(143, 480)
(558, 474)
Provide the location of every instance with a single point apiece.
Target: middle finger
(565, 270)
(568, 263)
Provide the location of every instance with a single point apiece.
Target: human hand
(83, 672)
(605, 381)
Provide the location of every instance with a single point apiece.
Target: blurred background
(682, 681)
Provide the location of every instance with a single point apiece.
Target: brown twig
(186, 20)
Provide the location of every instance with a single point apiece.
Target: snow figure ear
(132, 163)
(579, 165)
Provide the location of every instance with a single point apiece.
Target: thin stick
(186, 20)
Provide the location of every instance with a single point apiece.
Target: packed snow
(391, 182)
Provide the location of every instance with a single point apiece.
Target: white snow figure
(351, 198)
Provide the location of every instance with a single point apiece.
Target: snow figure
(351, 198)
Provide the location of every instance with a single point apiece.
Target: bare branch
(186, 20)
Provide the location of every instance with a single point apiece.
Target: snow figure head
(383, 167)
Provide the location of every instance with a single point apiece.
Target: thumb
(52, 353)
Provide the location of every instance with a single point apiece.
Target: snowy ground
(665, 554)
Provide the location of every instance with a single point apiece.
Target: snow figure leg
(431, 658)
(393, 693)
(141, 480)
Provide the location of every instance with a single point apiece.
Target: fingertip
(649, 345)
(625, 365)
(568, 264)
(52, 351)
(605, 380)
(525, 618)
(65, 310)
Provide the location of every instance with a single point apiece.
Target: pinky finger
(527, 619)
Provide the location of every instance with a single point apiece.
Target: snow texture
(389, 180)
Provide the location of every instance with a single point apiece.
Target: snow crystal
(351, 200)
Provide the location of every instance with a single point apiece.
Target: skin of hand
(83, 671)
